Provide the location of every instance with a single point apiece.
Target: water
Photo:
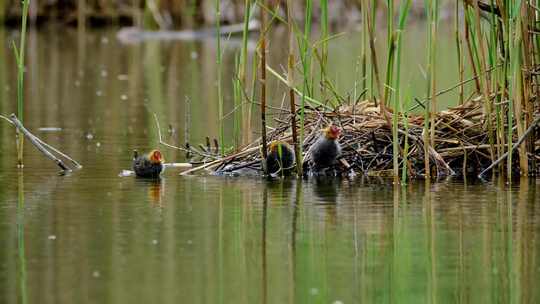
(94, 237)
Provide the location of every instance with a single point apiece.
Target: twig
(216, 162)
(6, 119)
(77, 164)
(37, 143)
(161, 142)
(514, 147)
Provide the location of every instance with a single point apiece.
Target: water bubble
(313, 291)
(124, 97)
(77, 83)
(154, 242)
(194, 55)
(190, 242)
(104, 73)
(122, 77)
(52, 237)
(98, 144)
(99, 93)
(96, 274)
(89, 136)
(104, 40)
(337, 302)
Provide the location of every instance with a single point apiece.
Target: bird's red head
(155, 157)
(332, 132)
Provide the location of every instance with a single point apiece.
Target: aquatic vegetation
(20, 58)
(482, 113)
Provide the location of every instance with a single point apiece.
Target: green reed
(290, 80)
(371, 13)
(219, 71)
(242, 69)
(365, 45)
(237, 98)
(485, 80)
(515, 54)
(431, 7)
(305, 58)
(459, 51)
(396, 104)
(324, 46)
(19, 57)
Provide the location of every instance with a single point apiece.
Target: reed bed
(384, 134)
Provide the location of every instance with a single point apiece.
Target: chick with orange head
(149, 165)
(280, 158)
(325, 151)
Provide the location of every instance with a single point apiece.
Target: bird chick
(149, 165)
(280, 158)
(326, 149)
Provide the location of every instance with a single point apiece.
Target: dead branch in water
(190, 150)
(514, 147)
(41, 145)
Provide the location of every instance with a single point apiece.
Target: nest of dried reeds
(460, 144)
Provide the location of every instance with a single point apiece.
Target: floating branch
(42, 146)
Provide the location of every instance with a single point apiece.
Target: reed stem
(219, 71)
(290, 80)
(20, 56)
(263, 85)
(324, 46)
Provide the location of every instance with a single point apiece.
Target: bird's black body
(145, 167)
(280, 158)
(324, 153)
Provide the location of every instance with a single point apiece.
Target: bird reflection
(326, 189)
(280, 190)
(154, 189)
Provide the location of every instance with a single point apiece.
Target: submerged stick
(36, 142)
(514, 147)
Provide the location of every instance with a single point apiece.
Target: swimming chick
(326, 149)
(149, 165)
(280, 158)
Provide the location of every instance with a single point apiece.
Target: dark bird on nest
(325, 151)
(149, 165)
(280, 158)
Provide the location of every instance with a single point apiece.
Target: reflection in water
(244, 241)
(264, 267)
(20, 239)
(326, 189)
(154, 188)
